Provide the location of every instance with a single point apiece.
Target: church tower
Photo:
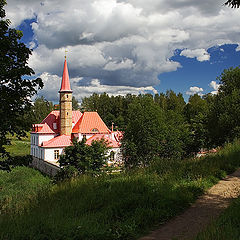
(65, 103)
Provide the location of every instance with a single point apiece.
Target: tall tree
(75, 105)
(151, 132)
(224, 115)
(233, 3)
(41, 108)
(15, 89)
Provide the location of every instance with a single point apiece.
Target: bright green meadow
(123, 206)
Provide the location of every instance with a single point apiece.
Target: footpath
(201, 213)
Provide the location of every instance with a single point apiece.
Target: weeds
(120, 206)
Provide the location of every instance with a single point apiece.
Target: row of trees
(165, 125)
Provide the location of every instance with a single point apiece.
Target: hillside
(122, 206)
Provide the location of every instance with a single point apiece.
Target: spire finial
(66, 53)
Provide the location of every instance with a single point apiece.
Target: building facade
(55, 132)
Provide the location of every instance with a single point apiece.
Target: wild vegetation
(121, 206)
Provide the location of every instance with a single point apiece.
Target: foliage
(75, 105)
(120, 206)
(84, 157)
(152, 132)
(233, 3)
(15, 90)
(40, 109)
(224, 113)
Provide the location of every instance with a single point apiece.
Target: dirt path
(201, 213)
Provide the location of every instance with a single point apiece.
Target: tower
(65, 103)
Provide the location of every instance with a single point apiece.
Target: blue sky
(130, 46)
(195, 73)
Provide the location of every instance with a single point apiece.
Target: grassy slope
(121, 206)
(19, 188)
(227, 227)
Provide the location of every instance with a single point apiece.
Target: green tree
(84, 157)
(151, 132)
(15, 89)
(233, 3)
(75, 105)
(224, 114)
(40, 109)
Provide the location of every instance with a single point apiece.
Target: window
(112, 156)
(94, 130)
(56, 154)
(54, 125)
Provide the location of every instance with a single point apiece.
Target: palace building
(55, 132)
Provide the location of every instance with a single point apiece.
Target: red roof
(54, 117)
(90, 122)
(42, 128)
(111, 142)
(58, 142)
(65, 86)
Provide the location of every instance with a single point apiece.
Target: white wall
(49, 153)
(44, 137)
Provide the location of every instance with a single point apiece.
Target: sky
(129, 46)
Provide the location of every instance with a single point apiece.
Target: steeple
(65, 86)
(65, 103)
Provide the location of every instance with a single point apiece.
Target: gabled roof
(65, 86)
(111, 142)
(57, 142)
(90, 122)
(42, 128)
(54, 117)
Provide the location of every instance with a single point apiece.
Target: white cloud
(200, 54)
(215, 86)
(52, 85)
(122, 42)
(195, 90)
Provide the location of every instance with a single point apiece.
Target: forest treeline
(164, 124)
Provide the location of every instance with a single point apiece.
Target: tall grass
(227, 227)
(121, 206)
(19, 188)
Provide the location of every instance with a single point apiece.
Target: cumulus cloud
(200, 54)
(122, 43)
(195, 90)
(52, 85)
(215, 86)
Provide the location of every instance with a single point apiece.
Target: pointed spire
(65, 86)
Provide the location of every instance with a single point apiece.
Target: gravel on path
(201, 213)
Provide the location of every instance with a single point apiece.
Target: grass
(19, 147)
(19, 188)
(122, 206)
(227, 227)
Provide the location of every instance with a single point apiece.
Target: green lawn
(19, 147)
(122, 206)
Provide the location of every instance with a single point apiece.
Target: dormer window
(94, 130)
